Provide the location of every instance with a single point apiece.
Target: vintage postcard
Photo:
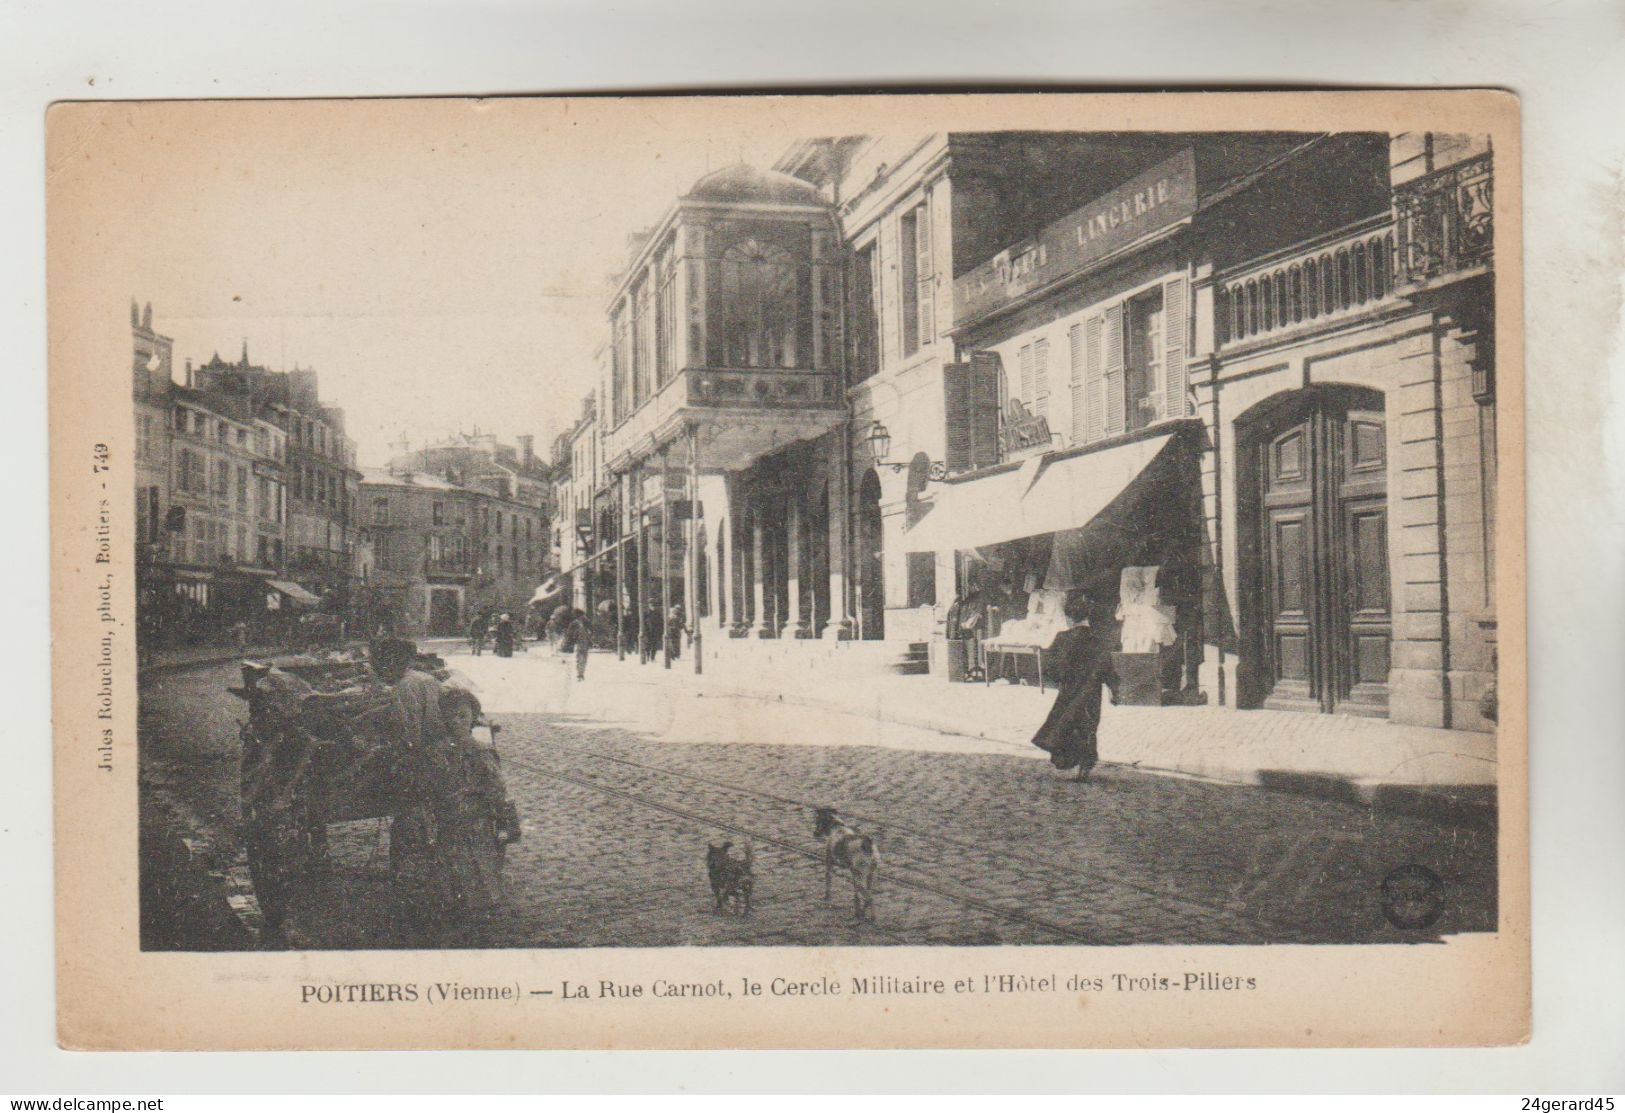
(789, 571)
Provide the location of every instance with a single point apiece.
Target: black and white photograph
(569, 538)
(1008, 537)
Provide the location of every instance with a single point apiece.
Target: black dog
(731, 878)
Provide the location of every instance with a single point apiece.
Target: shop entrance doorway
(871, 566)
(1316, 522)
(445, 612)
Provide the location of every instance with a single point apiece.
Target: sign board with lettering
(1022, 432)
(1160, 197)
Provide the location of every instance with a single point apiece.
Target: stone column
(839, 479)
(641, 552)
(618, 612)
(738, 590)
(759, 558)
(799, 624)
(692, 555)
(665, 556)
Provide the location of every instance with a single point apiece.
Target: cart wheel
(272, 871)
(425, 894)
(279, 840)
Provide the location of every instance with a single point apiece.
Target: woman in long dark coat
(1085, 666)
(504, 637)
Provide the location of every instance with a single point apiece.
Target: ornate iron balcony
(1444, 222)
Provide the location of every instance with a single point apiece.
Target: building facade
(441, 553)
(318, 466)
(1253, 369)
(509, 471)
(584, 577)
(245, 497)
(1349, 492)
(1236, 390)
(723, 418)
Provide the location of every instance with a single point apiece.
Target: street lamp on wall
(880, 446)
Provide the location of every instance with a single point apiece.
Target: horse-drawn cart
(324, 742)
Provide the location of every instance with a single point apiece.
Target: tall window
(1143, 361)
(143, 436)
(666, 320)
(621, 373)
(1033, 361)
(380, 511)
(918, 278)
(760, 308)
(439, 514)
(642, 374)
(865, 313)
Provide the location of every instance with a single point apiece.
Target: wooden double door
(1324, 606)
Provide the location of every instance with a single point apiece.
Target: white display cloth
(1148, 625)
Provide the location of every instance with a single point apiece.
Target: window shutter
(1024, 361)
(1114, 369)
(1041, 377)
(1177, 400)
(891, 295)
(925, 275)
(984, 407)
(1094, 378)
(956, 392)
(1075, 355)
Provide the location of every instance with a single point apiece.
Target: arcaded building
(724, 416)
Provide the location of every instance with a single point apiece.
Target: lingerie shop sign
(1162, 196)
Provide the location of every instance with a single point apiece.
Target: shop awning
(295, 592)
(547, 591)
(600, 554)
(1044, 496)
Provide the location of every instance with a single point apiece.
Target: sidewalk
(1443, 774)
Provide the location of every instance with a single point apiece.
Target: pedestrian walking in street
(674, 629)
(579, 635)
(628, 619)
(654, 632)
(1084, 665)
(476, 634)
(504, 636)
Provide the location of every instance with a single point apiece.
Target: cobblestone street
(620, 787)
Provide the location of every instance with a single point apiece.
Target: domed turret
(742, 183)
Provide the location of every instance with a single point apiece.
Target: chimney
(189, 372)
(527, 451)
